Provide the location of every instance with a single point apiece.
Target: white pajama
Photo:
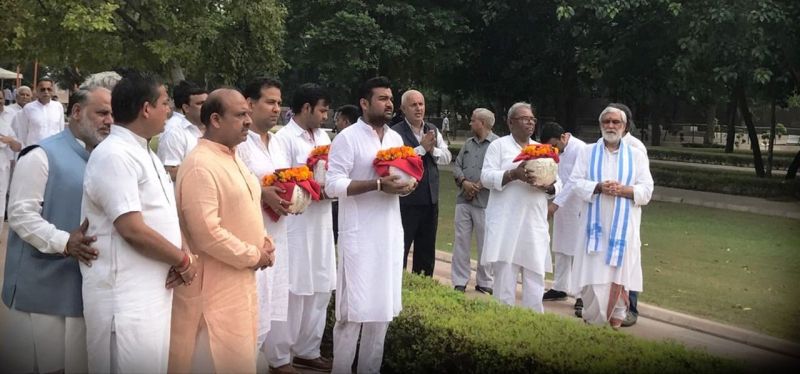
(370, 352)
(505, 286)
(469, 219)
(43, 343)
(562, 274)
(301, 333)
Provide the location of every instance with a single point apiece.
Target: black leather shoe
(460, 288)
(630, 319)
(486, 290)
(552, 295)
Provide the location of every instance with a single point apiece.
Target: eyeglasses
(525, 119)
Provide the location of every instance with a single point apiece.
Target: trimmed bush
(714, 158)
(441, 331)
(723, 181)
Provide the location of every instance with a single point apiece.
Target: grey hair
(81, 96)
(611, 109)
(408, 93)
(517, 106)
(105, 79)
(25, 88)
(484, 115)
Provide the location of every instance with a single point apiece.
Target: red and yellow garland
(403, 158)
(287, 179)
(390, 154)
(296, 174)
(534, 151)
(317, 154)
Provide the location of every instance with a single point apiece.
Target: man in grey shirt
(471, 202)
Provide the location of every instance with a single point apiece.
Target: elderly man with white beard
(42, 286)
(613, 180)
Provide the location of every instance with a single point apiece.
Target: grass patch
(732, 267)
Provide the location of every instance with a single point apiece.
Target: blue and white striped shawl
(621, 208)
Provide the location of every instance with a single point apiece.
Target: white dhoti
(43, 343)
(505, 285)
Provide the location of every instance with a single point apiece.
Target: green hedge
(727, 182)
(441, 331)
(715, 158)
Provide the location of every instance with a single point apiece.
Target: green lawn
(731, 267)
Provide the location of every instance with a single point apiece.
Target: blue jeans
(634, 297)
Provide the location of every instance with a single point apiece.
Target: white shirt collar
(128, 135)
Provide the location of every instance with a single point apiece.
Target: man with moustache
(312, 260)
(263, 155)
(517, 236)
(219, 203)
(41, 118)
(42, 283)
(370, 264)
(129, 202)
(612, 179)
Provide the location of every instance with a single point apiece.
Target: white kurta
(37, 121)
(126, 304)
(370, 229)
(517, 231)
(312, 258)
(565, 220)
(179, 138)
(6, 155)
(273, 282)
(591, 269)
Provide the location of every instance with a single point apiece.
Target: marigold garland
(320, 150)
(534, 151)
(296, 174)
(390, 154)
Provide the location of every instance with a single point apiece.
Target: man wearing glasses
(517, 238)
(41, 118)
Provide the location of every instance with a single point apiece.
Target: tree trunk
(731, 130)
(711, 121)
(751, 129)
(772, 125)
(176, 73)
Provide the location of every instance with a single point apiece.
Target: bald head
(412, 103)
(226, 115)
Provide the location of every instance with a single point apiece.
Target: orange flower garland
(534, 151)
(390, 154)
(296, 174)
(320, 150)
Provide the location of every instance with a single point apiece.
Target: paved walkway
(756, 350)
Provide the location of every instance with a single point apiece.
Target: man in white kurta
(566, 208)
(613, 180)
(370, 266)
(8, 146)
(312, 259)
(41, 118)
(183, 128)
(263, 156)
(517, 236)
(129, 202)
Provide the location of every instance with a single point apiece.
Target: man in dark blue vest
(420, 209)
(42, 283)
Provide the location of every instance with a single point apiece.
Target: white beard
(611, 137)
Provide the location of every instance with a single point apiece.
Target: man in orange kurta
(219, 203)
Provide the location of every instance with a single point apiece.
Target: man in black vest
(420, 209)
